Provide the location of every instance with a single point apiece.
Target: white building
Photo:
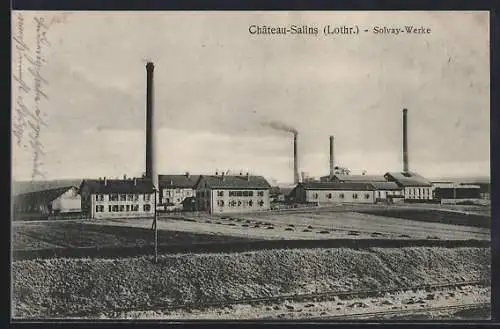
(232, 194)
(118, 198)
(174, 189)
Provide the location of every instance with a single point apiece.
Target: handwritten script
(29, 91)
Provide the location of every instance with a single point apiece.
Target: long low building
(449, 192)
(352, 192)
(116, 198)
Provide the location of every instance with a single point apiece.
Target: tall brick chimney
(296, 173)
(150, 126)
(332, 160)
(405, 141)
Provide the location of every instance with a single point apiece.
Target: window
(109, 208)
(250, 203)
(97, 208)
(113, 197)
(147, 197)
(220, 193)
(245, 193)
(341, 195)
(97, 197)
(115, 208)
(261, 203)
(231, 193)
(239, 203)
(122, 207)
(146, 207)
(250, 193)
(221, 203)
(123, 197)
(127, 207)
(315, 195)
(329, 195)
(130, 197)
(260, 193)
(354, 195)
(135, 207)
(136, 197)
(367, 196)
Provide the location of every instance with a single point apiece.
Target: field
(103, 287)
(83, 234)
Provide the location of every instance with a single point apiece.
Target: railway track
(313, 297)
(401, 312)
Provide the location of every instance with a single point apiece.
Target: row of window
(239, 203)
(419, 191)
(341, 195)
(123, 197)
(232, 193)
(122, 208)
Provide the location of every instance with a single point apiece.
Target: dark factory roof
(385, 186)
(117, 186)
(178, 181)
(348, 186)
(408, 179)
(44, 196)
(360, 178)
(234, 182)
(23, 187)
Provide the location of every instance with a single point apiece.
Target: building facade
(120, 198)
(415, 187)
(232, 194)
(333, 192)
(453, 192)
(174, 189)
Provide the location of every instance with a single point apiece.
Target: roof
(409, 179)
(23, 187)
(178, 181)
(348, 186)
(44, 196)
(235, 182)
(360, 178)
(387, 186)
(118, 186)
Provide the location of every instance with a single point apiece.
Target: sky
(217, 88)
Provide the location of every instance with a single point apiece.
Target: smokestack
(405, 141)
(295, 160)
(150, 126)
(332, 162)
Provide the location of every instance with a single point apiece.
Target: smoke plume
(280, 126)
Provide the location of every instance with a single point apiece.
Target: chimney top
(405, 110)
(150, 65)
(187, 174)
(124, 177)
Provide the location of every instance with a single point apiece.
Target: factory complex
(228, 193)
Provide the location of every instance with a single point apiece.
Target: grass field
(78, 234)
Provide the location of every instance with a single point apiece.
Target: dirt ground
(309, 310)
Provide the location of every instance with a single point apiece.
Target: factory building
(450, 192)
(332, 192)
(415, 187)
(117, 198)
(342, 178)
(174, 189)
(60, 200)
(232, 194)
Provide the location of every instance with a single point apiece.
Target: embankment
(65, 287)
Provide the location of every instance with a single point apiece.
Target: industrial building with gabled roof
(57, 200)
(112, 198)
(232, 194)
(414, 186)
(342, 178)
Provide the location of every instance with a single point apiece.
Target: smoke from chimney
(405, 141)
(332, 160)
(150, 127)
(286, 128)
